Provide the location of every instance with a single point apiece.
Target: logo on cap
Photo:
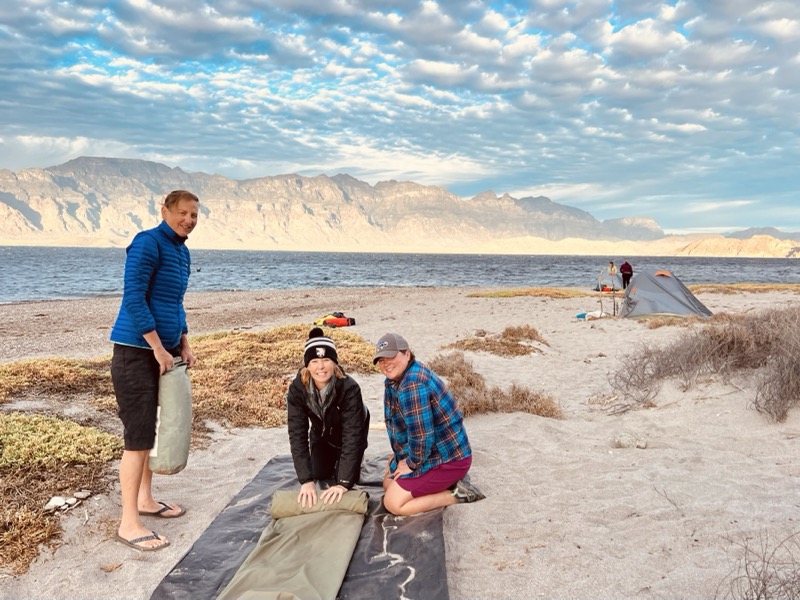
(382, 345)
(320, 352)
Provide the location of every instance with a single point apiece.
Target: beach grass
(476, 397)
(42, 456)
(701, 288)
(743, 288)
(55, 377)
(512, 341)
(768, 568)
(242, 378)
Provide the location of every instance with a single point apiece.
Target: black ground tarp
(395, 557)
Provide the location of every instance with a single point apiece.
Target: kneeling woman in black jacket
(331, 449)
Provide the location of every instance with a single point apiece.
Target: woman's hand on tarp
(308, 494)
(333, 494)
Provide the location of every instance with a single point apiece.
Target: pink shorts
(437, 479)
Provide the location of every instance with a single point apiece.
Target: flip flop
(160, 512)
(134, 543)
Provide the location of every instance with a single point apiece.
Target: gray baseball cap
(388, 346)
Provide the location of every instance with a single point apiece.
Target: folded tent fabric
(304, 552)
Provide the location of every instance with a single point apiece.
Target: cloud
(645, 40)
(41, 152)
(440, 73)
(707, 206)
(620, 108)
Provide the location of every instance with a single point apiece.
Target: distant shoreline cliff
(103, 202)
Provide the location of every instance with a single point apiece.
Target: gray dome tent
(660, 293)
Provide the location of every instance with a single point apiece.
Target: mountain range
(91, 201)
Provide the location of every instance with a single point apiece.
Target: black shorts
(135, 374)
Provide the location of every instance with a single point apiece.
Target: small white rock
(72, 501)
(55, 502)
(82, 494)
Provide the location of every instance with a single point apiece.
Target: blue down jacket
(157, 271)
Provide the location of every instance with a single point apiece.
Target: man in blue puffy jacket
(149, 331)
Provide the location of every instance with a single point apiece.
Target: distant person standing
(626, 270)
(608, 281)
(149, 331)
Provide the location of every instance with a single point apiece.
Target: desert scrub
(41, 456)
(41, 441)
(768, 568)
(765, 344)
(55, 377)
(241, 377)
(512, 341)
(475, 397)
(743, 288)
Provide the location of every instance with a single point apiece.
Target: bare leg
(144, 499)
(131, 473)
(400, 502)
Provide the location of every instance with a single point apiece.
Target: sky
(686, 112)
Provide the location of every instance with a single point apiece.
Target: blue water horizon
(33, 273)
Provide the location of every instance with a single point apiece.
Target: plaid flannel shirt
(424, 423)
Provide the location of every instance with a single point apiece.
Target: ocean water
(44, 273)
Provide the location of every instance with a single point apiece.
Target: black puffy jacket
(342, 425)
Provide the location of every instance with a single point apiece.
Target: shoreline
(701, 245)
(569, 512)
(40, 276)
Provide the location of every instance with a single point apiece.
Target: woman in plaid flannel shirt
(430, 449)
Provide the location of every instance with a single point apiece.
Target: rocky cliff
(105, 201)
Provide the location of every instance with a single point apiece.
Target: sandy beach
(568, 513)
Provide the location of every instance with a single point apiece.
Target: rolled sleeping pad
(285, 504)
